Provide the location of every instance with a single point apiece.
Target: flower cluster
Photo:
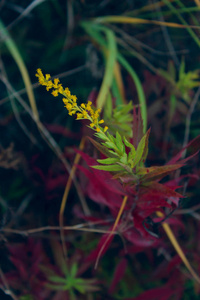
(84, 111)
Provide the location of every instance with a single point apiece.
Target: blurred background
(146, 52)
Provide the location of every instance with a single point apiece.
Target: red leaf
(161, 190)
(59, 129)
(157, 173)
(100, 191)
(137, 239)
(193, 147)
(137, 127)
(161, 293)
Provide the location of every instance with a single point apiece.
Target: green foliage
(70, 282)
(122, 162)
(184, 84)
(26, 297)
(119, 118)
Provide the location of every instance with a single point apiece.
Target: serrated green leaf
(125, 167)
(111, 137)
(139, 151)
(103, 149)
(108, 161)
(127, 143)
(111, 168)
(123, 158)
(109, 145)
(131, 156)
(119, 143)
(113, 153)
(101, 135)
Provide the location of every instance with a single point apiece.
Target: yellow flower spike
(39, 73)
(79, 116)
(74, 98)
(55, 93)
(56, 81)
(65, 100)
(88, 106)
(84, 111)
(67, 92)
(84, 114)
(48, 88)
(47, 76)
(68, 106)
(60, 89)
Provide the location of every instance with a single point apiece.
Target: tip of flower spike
(105, 129)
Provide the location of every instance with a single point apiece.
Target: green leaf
(140, 150)
(109, 145)
(101, 135)
(111, 168)
(127, 143)
(73, 270)
(119, 143)
(102, 149)
(123, 159)
(111, 137)
(108, 161)
(131, 156)
(57, 279)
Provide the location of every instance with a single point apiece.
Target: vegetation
(107, 207)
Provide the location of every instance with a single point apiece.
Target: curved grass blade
(22, 68)
(190, 31)
(110, 49)
(93, 31)
(139, 88)
(130, 20)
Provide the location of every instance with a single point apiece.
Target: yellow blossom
(79, 116)
(84, 111)
(55, 93)
(47, 76)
